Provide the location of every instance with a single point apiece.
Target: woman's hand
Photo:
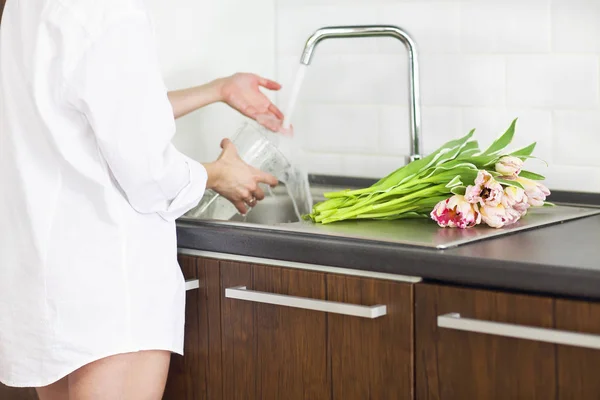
(242, 92)
(235, 180)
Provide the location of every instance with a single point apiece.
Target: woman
(91, 296)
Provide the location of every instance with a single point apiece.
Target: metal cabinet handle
(241, 293)
(192, 284)
(455, 321)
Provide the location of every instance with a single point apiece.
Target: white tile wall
(483, 63)
(203, 40)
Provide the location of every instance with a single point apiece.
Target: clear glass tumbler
(257, 146)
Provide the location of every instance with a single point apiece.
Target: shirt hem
(67, 371)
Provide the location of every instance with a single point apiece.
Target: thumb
(228, 150)
(225, 143)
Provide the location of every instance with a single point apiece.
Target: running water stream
(296, 181)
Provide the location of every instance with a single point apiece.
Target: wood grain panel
(187, 373)
(291, 347)
(578, 367)
(460, 365)
(214, 376)
(371, 359)
(238, 335)
(10, 393)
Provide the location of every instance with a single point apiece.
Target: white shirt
(90, 187)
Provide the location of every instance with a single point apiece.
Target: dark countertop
(560, 260)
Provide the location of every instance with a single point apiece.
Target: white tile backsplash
(296, 24)
(441, 124)
(343, 129)
(457, 80)
(532, 126)
(348, 79)
(438, 33)
(576, 136)
(575, 27)
(505, 27)
(203, 40)
(553, 81)
(483, 63)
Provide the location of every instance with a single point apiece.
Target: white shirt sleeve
(118, 86)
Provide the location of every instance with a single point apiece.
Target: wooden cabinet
(306, 344)
(9, 393)
(197, 374)
(274, 351)
(577, 367)
(371, 358)
(267, 332)
(270, 351)
(470, 360)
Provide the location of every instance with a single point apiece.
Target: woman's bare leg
(56, 391)
(131, 376)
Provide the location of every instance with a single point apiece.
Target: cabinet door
(371, 358)
(272, 351)
(578, 367)
(457, 364)
(197, 375)
(9, 393)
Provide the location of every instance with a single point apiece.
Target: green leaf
(469, 153)
(532, 175)
(525, 151)
(449, 166)
(508, 182)
(548, 204)
(480, 161)
(469, 149)
(454, 182)
(503, 141)
(417, 166)
(460, 190)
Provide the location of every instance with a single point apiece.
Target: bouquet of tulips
(457, 185)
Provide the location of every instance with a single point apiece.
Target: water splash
(294, 95)
(296, 181)
(298, 188)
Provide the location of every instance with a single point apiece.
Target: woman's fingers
(269, 84)
(259, 194)
(241, 207)
(276, 111)
(269, 121)
(265, 177)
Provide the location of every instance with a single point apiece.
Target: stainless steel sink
(276, 212)
(278, 207)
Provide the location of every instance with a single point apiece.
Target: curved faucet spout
(337, 32)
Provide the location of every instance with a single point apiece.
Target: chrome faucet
(333, 32)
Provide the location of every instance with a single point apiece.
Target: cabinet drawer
(486, 344)
(298, 334)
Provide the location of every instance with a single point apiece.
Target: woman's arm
(240, 91)
(185, 101)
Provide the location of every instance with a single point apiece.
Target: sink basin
(278, 208)
(276, 212)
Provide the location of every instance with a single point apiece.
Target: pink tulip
(509, 166)
(456, 212)
(499, 216)
(486, 191)
(515, 198)
(535, 191)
